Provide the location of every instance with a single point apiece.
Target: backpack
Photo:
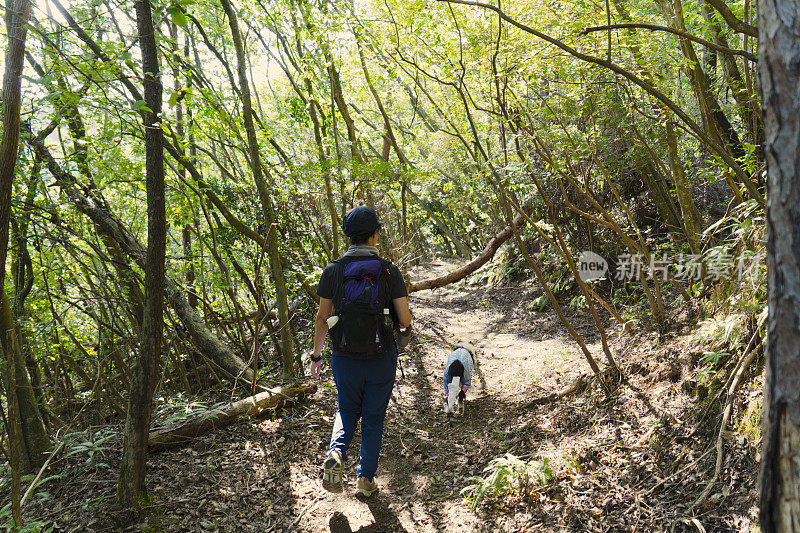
(361, 294)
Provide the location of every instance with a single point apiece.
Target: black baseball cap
(359, 221)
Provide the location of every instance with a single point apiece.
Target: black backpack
(362, 291)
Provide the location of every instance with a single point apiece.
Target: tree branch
(487, 253)
(647, 87)
(735, 24)
(655, 27)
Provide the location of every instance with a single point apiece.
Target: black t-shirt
(396, 283)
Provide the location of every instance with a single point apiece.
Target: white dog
(458, 377)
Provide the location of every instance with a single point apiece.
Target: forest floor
(635, 462)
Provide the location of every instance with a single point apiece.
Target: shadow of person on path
(385, 520)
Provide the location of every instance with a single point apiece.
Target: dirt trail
(426, 458)
(633, 462)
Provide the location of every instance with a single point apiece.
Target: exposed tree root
(577, 386)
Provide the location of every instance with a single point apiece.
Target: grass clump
(750, 424)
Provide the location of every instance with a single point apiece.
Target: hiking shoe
(365, 487)
(332, 470)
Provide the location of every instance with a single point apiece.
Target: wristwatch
(316, 359)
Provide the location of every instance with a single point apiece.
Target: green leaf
(177, 15)
(140, 105)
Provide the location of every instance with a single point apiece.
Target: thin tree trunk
(276, 267)
(180, 131)
(34, 441)
(22, 274)
(131, 485)
(338, 97)
(692, 220)
(14, 440)
(779, 55)
(747, 103)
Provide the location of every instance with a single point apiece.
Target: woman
(362, 284)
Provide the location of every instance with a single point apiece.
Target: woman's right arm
(403, 312)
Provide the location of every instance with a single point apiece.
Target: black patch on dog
(456, 369)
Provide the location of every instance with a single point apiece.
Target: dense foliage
(622, 128)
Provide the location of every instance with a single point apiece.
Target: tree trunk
(748, 104)
(276, 268)
(186, 236)
(779, 56)
(14, 441)
(692, 219)
(341, 104)
(131, 487)
(22, 275)
(33, 440)
(16, 28)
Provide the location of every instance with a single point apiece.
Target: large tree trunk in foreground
(487, 253)
(33, 440)
(131, 486)
(16, 27)
(183, 432)
(779, 57)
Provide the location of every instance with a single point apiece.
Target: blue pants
(364, 389)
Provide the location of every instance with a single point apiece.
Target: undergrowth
(507, 475)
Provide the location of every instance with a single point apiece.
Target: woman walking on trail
(363, 298)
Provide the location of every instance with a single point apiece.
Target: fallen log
(184, 431)
(488, 252)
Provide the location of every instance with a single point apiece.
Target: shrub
(507, 475)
